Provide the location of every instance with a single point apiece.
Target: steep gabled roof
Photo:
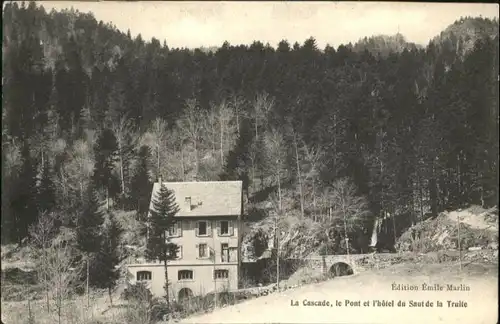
(208, 198)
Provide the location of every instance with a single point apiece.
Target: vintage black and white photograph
(249, 162)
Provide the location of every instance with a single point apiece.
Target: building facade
(208, 233)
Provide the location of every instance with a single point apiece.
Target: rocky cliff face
(478, 230)
(296, 238)
(463, 33)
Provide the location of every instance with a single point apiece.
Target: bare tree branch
(121, 128)
(191, 126)
(158, 129)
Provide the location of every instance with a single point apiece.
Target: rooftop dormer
(187, 204)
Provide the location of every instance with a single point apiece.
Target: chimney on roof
(159, 179)
(187, 203)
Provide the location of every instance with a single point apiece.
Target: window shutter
(209, 228)
(197, 229)
(178, 228)
(231, 228)
(179, 254)
(197, 247)
(233, 254)
(218, 228)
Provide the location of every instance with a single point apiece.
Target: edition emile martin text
(430, 287)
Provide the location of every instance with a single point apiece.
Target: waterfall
(375, 233)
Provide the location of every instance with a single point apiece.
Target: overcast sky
(194, 24)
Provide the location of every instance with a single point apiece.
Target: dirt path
(481, 302)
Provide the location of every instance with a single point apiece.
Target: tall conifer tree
(89, 224)
(89, 236)
(160, 221)
(105, 151)
(23, 201)
(105, 273)
(46, 191)
(141, 184)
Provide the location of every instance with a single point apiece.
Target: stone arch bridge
(347, 264)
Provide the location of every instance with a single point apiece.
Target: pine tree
(99, 89)
(90, 221)
(7, 219)
(141, 184)
(127, 153)
(62, 104)
(117, 100)
(46, 191)
(238, 162)
(104, 273)
(161, 219)
(23, 201)
(21, 86)
(76, 81)
(89, 234)
(105, 151)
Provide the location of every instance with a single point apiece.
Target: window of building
(175, 229)
(143, 275)
(224, 252)
(202, 228)
(179, 253)
(221, 274)
(185, 275)
(224, 228)
(202, 251)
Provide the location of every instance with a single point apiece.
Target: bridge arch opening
(340, 269)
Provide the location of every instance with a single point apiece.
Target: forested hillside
(322, 134)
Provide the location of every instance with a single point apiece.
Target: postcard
(249, 162)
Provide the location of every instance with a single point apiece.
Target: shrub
(339, 247)
(137, 292)
(226, 298)
(144, 307)
(17, 292)
(327, 248)
(159, 309)
(137, 313)
(423, 245)
(195, 304)
(19, 277)
(246, 282)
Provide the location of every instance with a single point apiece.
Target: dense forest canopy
(413, 129)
